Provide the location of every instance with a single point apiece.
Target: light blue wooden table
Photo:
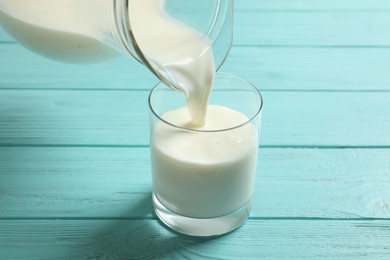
(74, 157)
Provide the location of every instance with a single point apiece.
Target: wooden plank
(312, 5)
(319, 29)
(4, 37)
(74, 117)
(268, 68)
(146, 239)
(53, 182)
(311, 68)
(69, 118)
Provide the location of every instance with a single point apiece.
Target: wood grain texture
(312, 5)
(75, 177)
(4, 37)
(146, 239)
(314, 69)
(95, 118)
(288, 69)
(60, 182)
(318, 29)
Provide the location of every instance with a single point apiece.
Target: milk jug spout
(91, 31)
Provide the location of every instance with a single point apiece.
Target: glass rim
(252, 118)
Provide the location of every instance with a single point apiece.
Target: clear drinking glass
(203, 180)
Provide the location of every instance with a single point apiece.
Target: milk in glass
(204, 174)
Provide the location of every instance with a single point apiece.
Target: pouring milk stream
(177, 49)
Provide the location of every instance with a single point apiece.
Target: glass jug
(90, 31)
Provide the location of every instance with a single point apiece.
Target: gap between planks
(110, 146)
(271, 218)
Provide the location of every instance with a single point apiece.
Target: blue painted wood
(74, 164)
(83, 182)
(4, 37)
(292, 69)
(312, 5)
(312, 29)
(146, 239)
(288, 69)
(120, 118)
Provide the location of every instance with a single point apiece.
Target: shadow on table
(137, 238)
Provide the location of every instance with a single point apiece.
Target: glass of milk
(204, 175)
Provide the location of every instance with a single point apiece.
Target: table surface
(75, 179)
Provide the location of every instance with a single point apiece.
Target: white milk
(183, 53)
(59, 30)
(204, 174)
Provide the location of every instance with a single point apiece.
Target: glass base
(201, 226)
